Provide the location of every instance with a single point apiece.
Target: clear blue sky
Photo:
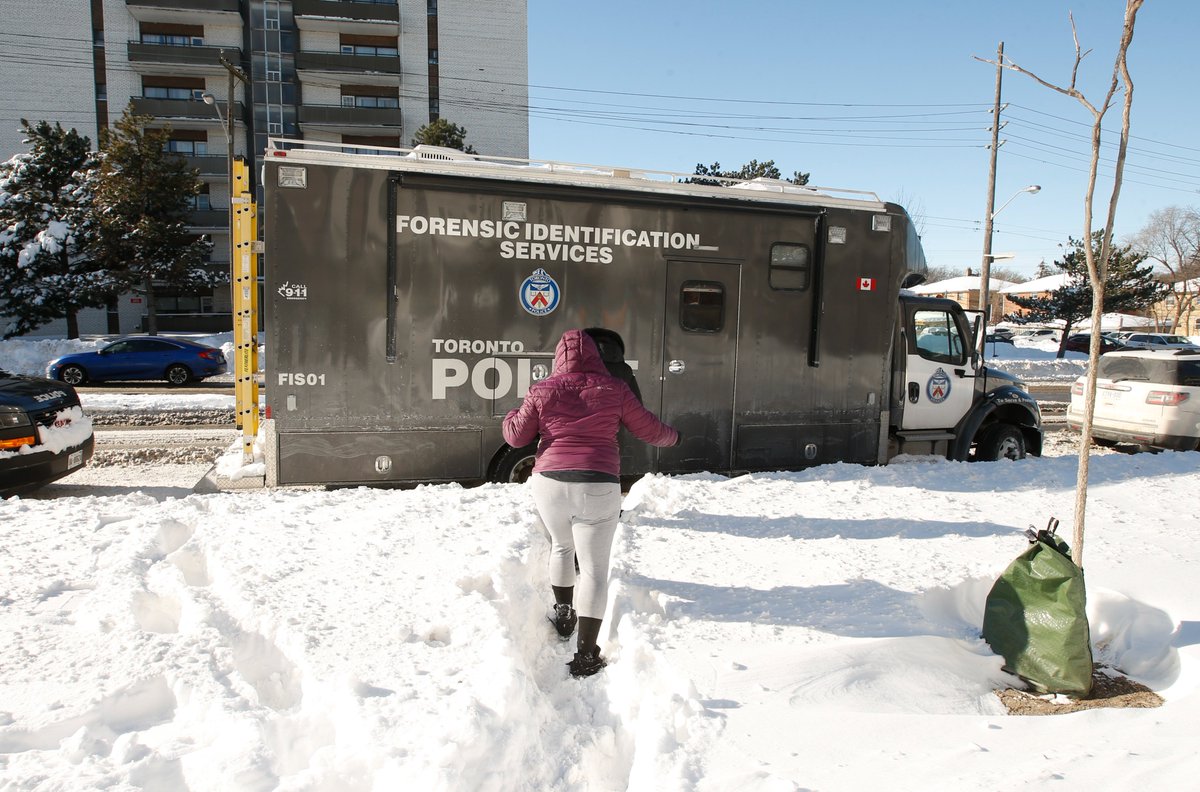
(882, 96)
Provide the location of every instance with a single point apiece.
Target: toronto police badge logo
(938, 387)
(539, 293)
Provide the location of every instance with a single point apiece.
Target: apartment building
(357, 72)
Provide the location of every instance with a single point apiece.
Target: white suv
(1147, 397)
(1158, 341)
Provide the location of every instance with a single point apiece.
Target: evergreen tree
(46, 272)
(142, 201)
(752, 170)
(1129, 287)
(443, 133)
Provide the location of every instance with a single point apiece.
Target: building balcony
(335, 67)
(196, 12)
(208, 219)
(209, 165)
(192, 59)
(182, 112)
(347, 17)
(350, 120)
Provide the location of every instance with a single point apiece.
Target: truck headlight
(12, 416)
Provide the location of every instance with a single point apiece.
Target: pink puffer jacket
(578, 410)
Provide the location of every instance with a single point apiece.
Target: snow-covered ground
(811, 630)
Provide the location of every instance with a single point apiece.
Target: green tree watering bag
(1036, 618)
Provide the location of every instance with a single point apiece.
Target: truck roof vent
(443, 153)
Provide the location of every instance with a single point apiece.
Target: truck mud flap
(378, 457)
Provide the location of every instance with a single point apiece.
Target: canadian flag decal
(866, 284)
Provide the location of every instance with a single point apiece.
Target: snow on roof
(1117, 321)
(960, 284)
(1049, 283)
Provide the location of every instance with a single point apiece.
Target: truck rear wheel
(1000, 441)
(514, 466)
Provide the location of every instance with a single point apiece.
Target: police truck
(412, 296)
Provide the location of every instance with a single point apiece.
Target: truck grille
(46, 417)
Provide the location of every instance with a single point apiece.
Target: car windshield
(1176, 340)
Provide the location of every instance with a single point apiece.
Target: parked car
(1158, 341)
(44, 434)
(1079, 342)
(175, 360)
(1150, 398)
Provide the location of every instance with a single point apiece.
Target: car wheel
(72, 375)
(178, 374)
(1000, 441)
(514, 466)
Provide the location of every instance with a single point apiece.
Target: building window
(187, 147)
(433, 57)
(163, 92)
(433, 109)
(274, 128)
(200, 202)
(367, 49)
(353, 44)
(173, 40)
(97, 38)
(101, 92)
(431, 7)
(371, 101)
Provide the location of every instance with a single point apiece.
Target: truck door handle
(914, 392)
(675, 366)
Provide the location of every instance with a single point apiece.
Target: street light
(209, 99)
(985, 275)
(1031, 189)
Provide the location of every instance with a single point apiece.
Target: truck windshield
(938, 337)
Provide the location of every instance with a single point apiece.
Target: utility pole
(985, 277)
(235, 73)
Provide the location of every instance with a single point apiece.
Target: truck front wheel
(514, 466)
(1000, 441)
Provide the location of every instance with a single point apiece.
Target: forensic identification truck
(413, 296)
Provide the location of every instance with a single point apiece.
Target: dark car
(44, 434)
(175, 360)
(1079, 342)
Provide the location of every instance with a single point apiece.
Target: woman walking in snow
(576, 482)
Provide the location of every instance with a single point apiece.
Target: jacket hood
(577, 353)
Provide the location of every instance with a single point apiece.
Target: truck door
(699, 363)
(938, 386)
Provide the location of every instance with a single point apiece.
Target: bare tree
(1171, 238)
(1097, 265)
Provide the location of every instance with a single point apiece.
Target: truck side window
(702, 306)
(791, 268)
(938, 337)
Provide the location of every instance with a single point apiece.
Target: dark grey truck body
(411, 300)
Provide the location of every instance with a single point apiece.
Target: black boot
(587, 660)
(564, 615)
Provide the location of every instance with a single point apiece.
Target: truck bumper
(24, 472)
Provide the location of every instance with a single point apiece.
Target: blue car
(140, 358)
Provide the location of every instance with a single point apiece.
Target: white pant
(581, 518)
